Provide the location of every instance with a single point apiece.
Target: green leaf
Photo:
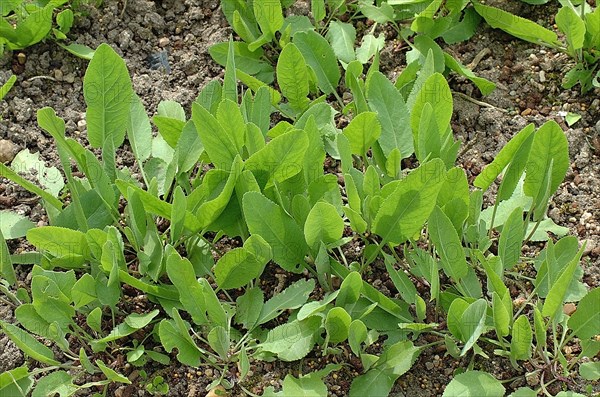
(49, 178)
(171, 337)
(320, 57)
(572, 26)
(447, 244)
(501, 315)
(350, 289)
(557, 292)
(323, 224)
(337, 324)
(511, 239)
(362, 132)
(292, 297)
(107, 91)
(585, 321)
(7, 173)
(392, 113)
(294, 340)
(485, 86)
(218, 339)
(472, 323)
(277, 228)
(549, 146)
(405, 287)
(474, 384)
(249, 307)
(370, 47)
(16, 382)
(56, 382)
(219, 145)
(111, 374)
(590, 371)
(13, 225)
(342, 36)
(139, 130)
(522, 337)
(28, 344)
(241, 265)
(357, 334)
(523, 392)
(182, 275)
(436, 92)
(306, 386)
(516, 26)
(404, 212)
(292, 77)
(6, 267)
(58, 241)
(269, 16)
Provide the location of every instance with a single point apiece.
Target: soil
(529, 91)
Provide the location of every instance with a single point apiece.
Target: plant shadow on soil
(528, 79)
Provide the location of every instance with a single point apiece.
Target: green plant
(579, 23)
(227, 170)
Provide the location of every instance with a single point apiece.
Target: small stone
(577, 180)
(208, 372)
(8, 151)
(163, 42)
(81, 124)
(569, 308)
(125, 39)
(177, 30)
(58, 74)
(526, 112)
(542, 75)
(70, 78)
(429, 365)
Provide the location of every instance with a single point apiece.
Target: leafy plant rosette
(131, 266)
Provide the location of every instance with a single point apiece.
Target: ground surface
(529, 91)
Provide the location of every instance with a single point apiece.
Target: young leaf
(171, 337)
(557, 292)
(342, 36)
(404, 212)
(294, 340)
(6, 267)
(293, 77)
(182, 275)
(111, 374)
(323, 224)
(362, 132)
(56, 382)
(436, 92)
(28, 344)
(522, 337)
(447, 244)
(320, 57)
(474, 384)
(511, 239)
(357, 334)
(584, 322)
(337, 325)
(241, 265)
(107, 90)
(292, 297)
(277, 228)
(249, 307)
(392, 113)
(572, 26)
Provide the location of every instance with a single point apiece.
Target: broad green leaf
(473, 323)
(50, 178)
(241, 265)
(362, 132)
(516, 26)
(280, 159)
(170, 337)
(370, 47)
(323, 224)
(436, 92)
(350, 289)
(447, 244)
(572, 26)
(250, 63)
(58, 241)
(28, 344)
(474, 384)
(139, 130)
(455, 313)
(249, 307)
(56, 382)
(342, 36)
(337, 324)
(590, 370)
(292, 77)
(504, 158)
(404, 212)
(585, 322)
(522, 337)
(317, 8)
(292, 297)
(357, 334)
(214, 308)
(269, 16)
(501, 315)
(382, 14)
(375, 382)
(511, 239)
(16, 382)
(13, 225)
(485, 86)
(107, 90)
(320, 57)
(111, 374)
(405, 287)
(84, 291)
(523, 392)
(306, 386)
(219, 145)
(210, 210)
(294, 340)
(539, 326)
(392, 113)
(557, 292)
(182, 275)
(218, 339)
(277, 228)
(549, 146)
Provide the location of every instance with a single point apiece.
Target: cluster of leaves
(580, 24)
(24, 23)
(225, 169)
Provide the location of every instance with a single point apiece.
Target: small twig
(482, 54)
(41, 78)
(480, 103)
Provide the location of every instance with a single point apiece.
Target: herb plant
(225, 170)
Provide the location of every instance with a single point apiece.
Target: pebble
(70, 78)
(58, 74)
(429, 365)
(163, 42)
(526, 112)
(81, 124)
(8, 151)
(542, 75)
(125, 39)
